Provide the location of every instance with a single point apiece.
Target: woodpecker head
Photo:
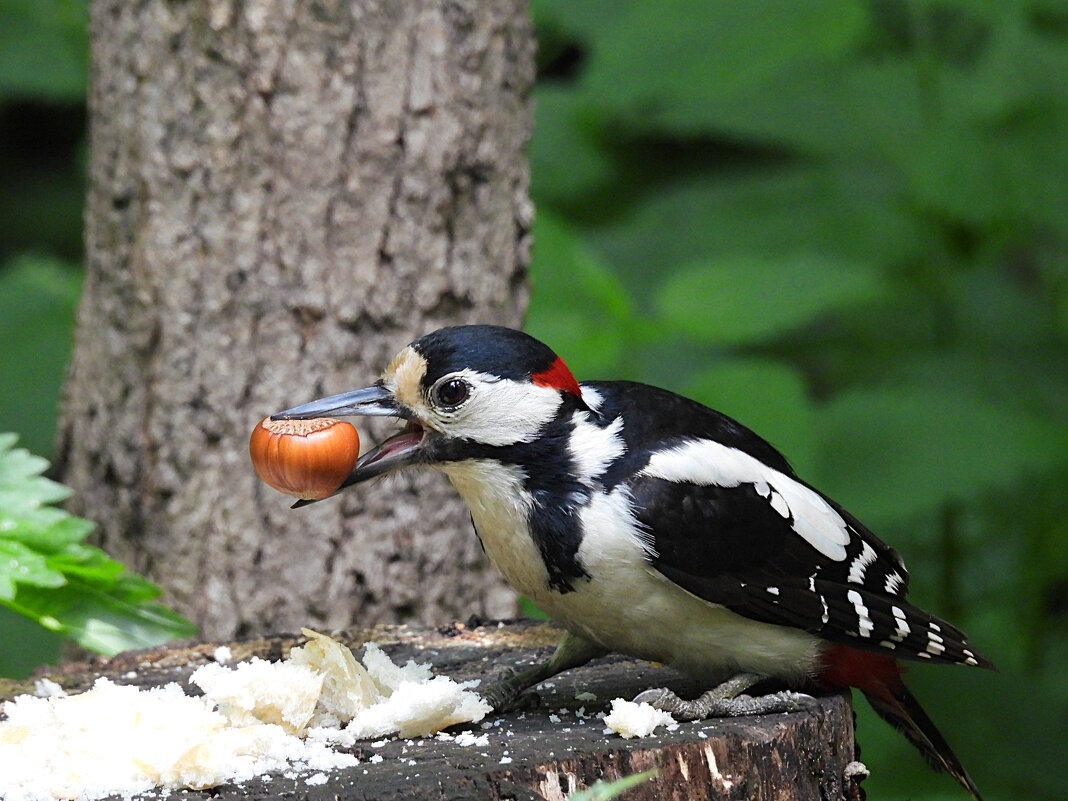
(463, 392)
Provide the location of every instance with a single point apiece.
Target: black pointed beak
(399, 451)
(373, 401)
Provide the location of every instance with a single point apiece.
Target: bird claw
(509, 692)
(726, 700)
(659, 698)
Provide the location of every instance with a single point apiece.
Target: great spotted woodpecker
(647, 524)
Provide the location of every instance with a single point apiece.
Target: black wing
(729, 521)
(740, 546)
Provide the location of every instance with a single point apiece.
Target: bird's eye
(452, 392)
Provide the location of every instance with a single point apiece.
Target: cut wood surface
(547, 751)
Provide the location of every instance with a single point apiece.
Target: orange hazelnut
(308, 459)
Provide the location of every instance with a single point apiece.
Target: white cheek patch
(705, 462)
(499, 411)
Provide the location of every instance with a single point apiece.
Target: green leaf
(20, 565)
(892, 452)
(766, 396)
(104, 622)
(669, 65)
(38, 296)
(88, 563)
(1017, 70)
(742, 299)
(567, 163)
(836, 109)
(43, 49)
(603, 791)
(23, 490)
(579, 307)
(974, 178)
(36, 646)
(54, 533)
(49, 575)
(850, 213)
(586, 20)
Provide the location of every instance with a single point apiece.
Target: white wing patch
(934, 644)
(777, 502)
(864, 624)
(900, 623)
(894, 582)
(860, 564)
(705, 462)
(826, 616)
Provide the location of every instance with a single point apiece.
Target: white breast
(629, 607)
(626, 605)
(500, 506)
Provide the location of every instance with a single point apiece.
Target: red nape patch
(558, 377)
(842, 666)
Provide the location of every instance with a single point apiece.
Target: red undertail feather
(558, 377)
(868, 671)
(878, 676)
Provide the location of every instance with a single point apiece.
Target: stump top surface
(544, 752)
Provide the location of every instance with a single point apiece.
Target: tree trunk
(282, 195)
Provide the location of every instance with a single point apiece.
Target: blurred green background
(844, 222)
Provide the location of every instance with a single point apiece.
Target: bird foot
(726, 700)
(509, 692)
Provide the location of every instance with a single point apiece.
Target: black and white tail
(899, 707)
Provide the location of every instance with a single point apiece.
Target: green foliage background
(844, 222)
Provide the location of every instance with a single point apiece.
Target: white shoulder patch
(612, 534)
(593, 448)
(591, 397)
(707, 463)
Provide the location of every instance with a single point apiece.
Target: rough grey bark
(282, 195)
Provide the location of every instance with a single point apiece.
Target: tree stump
(546, 752)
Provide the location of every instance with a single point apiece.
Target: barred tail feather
(897, 706)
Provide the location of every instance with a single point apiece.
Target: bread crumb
(629, 719)
(223, 654)
(115, 739)
(255, 718)
(46, 688)
(466, 739)
(257, 691)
